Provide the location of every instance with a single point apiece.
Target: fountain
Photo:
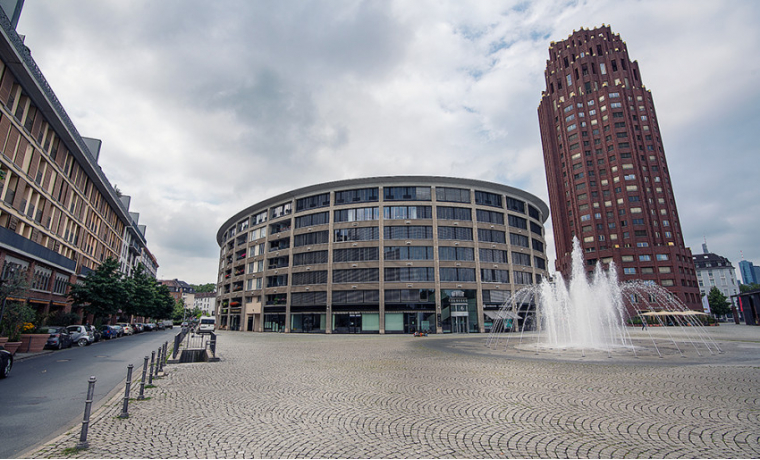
(593, 314)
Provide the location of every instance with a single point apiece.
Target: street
(45, 395)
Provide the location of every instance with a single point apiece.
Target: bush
(16, 314)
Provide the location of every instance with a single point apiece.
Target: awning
(673, 313)
(498, 314)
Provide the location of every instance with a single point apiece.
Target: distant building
(747, 270)
(206, 302)
(715, 271)
(179, 290)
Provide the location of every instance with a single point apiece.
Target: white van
(206, 325)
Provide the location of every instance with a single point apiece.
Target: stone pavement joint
(370, 396)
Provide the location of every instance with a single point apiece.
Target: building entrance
(347, 323)
(459, 324)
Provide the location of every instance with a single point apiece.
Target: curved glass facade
(397, 254)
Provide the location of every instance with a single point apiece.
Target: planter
(33, 343)
(12, 346)
(3, 340)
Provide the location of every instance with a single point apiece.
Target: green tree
(163, 301)
(208, 287)
(142, 293)
(14, 283)
(719, 304)
(103, 292)
(748, 287)
(178, 312)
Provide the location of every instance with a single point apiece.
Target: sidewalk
(361, 396)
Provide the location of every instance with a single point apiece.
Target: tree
(719, 305)
(13, 284)
(163, 301)
(103, 292)
(208, 287)
(748, 287)
(143, 293)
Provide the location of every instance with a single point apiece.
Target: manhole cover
(62, 360)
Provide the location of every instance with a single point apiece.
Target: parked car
(168, 324)
(128, 330)
(59, 337)
(6, 362)
(108, 332)
(206, 325)
(139, 327)
(148, 326)
(80, 335)
(95, 333)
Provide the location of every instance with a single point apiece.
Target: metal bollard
(177, 340)
(142, 382)
(163, 358)
(125, 407)
(158, 361)
(166, 351)
(83, 444)
(150, 373)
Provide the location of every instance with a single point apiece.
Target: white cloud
(206, 108)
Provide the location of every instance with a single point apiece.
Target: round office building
(385, 255)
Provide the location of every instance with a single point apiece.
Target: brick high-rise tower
(608, 180)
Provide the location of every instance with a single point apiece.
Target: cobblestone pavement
(339, 396)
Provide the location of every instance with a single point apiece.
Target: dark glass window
(407, 212)
(357, 234)
(452, 195)
(411, 232)
(457, 274)
(310, 238)
(517, 222)
(515, 205)
(409, 274)
(456, 253)
(450, 213)
(362, 195)
(408, 253)
(488, 199)
(406, 193)
(320, 218)
(455, 233)
(493, 217)
(317, 201)
(356, 254)
(491, 236)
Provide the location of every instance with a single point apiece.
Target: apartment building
(396, 254)
(60, 217)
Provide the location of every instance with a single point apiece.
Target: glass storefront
(274, 322)
(308, 322)
(459, 311)
(356, 323)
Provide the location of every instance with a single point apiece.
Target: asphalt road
(45, 395)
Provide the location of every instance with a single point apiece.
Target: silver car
(81, 335)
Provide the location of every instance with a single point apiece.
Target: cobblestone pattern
(303, 396)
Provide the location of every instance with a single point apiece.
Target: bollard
(160, 366)
(158, 363)
(83, 444)
(142, 382)
(166, 351)
(150, 373)
(125, 407)
(177, 340)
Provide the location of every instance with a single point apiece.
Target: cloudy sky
(207, 107)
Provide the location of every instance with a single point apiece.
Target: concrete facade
(381, 255)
